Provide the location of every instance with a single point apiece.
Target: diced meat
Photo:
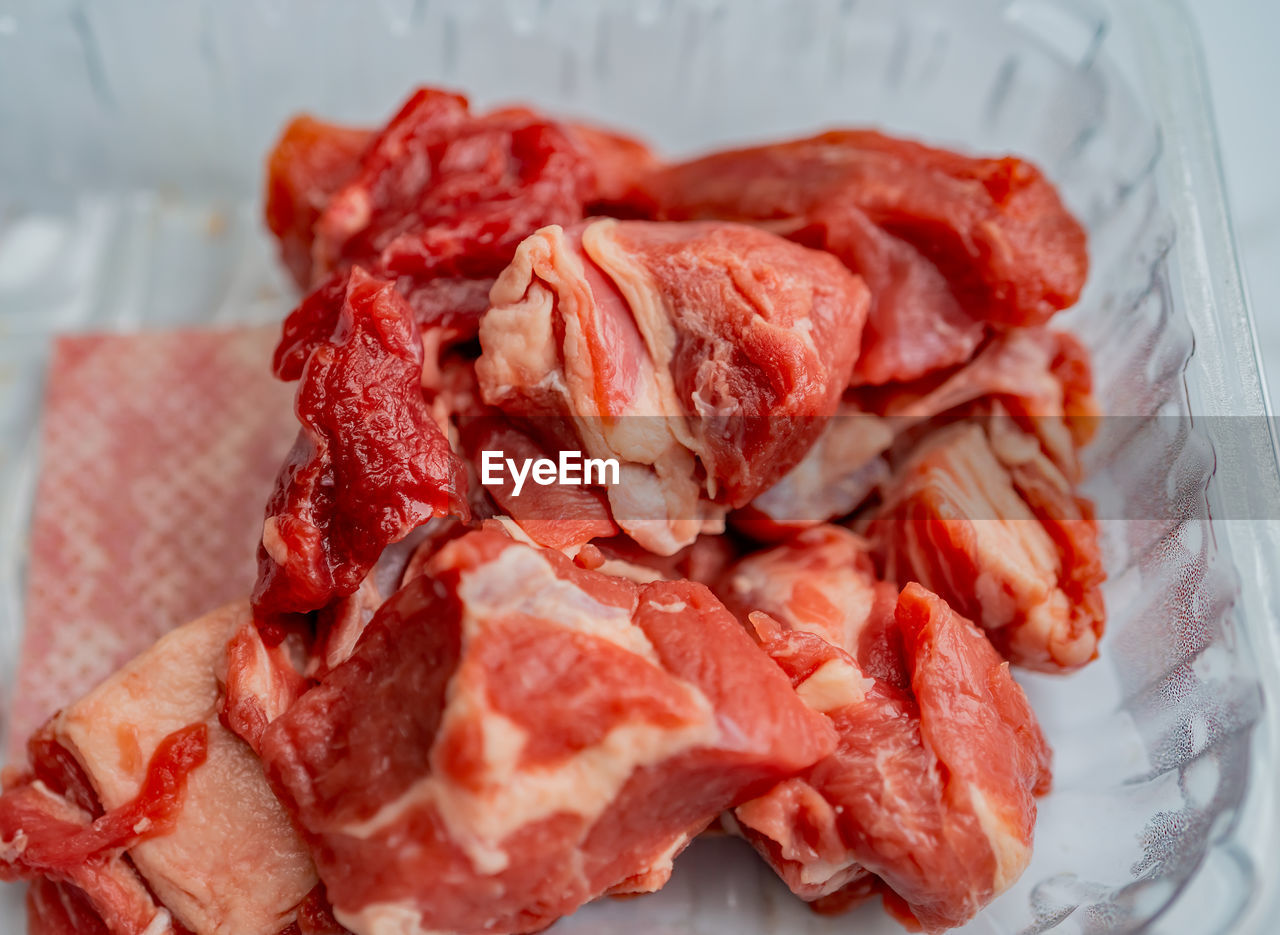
(311, 160)
(996, 227)
(440, 190)
(1037, 378)
(370, 463)
(932, 788)
(43, 837)
(619, 162)
(988, 521)
(915, 324)
(436, 201)
(544, 734)
(59, 909)
(438, 166)
(685, 351)
(229, 862)
(948, 244)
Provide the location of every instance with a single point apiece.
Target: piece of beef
(704, 357)
(370, 464)
(981, 515)
(948, 244)
(1034, 377)
(931, 791)
(437, 201)
(228, 862)
(544, 734)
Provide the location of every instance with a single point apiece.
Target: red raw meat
(543, 734)
(704, 357)
(558, 516)
(58, 909)
(203, 832)
(619, 162)
(437, 200)
(947, 243)
(154, 448)
(822, 581)
(985, 518)
(338, 195)
(311, 160)
(932, 788)
(839, 472)
(1040, 379)
(702, 561)
(45, 837)
(916, 323)
(370, 463)
(440, 190)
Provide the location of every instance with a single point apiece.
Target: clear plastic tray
(131, 145)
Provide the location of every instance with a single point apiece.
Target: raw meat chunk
(947, 243)
(231, 862)
(704, 357)
(916, 323)
(1037, 378)
(544, 734)
(619, 164)
(59, 909)
(370, 463)
(441, 190)
(311, 160)
(931, 791)
(75, 860)
(436, 201)
(986, 519)
(441, 162)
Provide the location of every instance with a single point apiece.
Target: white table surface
(1239, 39)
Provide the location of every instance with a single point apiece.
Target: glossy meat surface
(436, 200)
(370, 464)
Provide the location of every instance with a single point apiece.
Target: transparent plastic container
(131, 145)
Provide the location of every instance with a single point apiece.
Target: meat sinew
(704, 357)
(206, 841)
(491, 810)
(981, 515)
(930, 796)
